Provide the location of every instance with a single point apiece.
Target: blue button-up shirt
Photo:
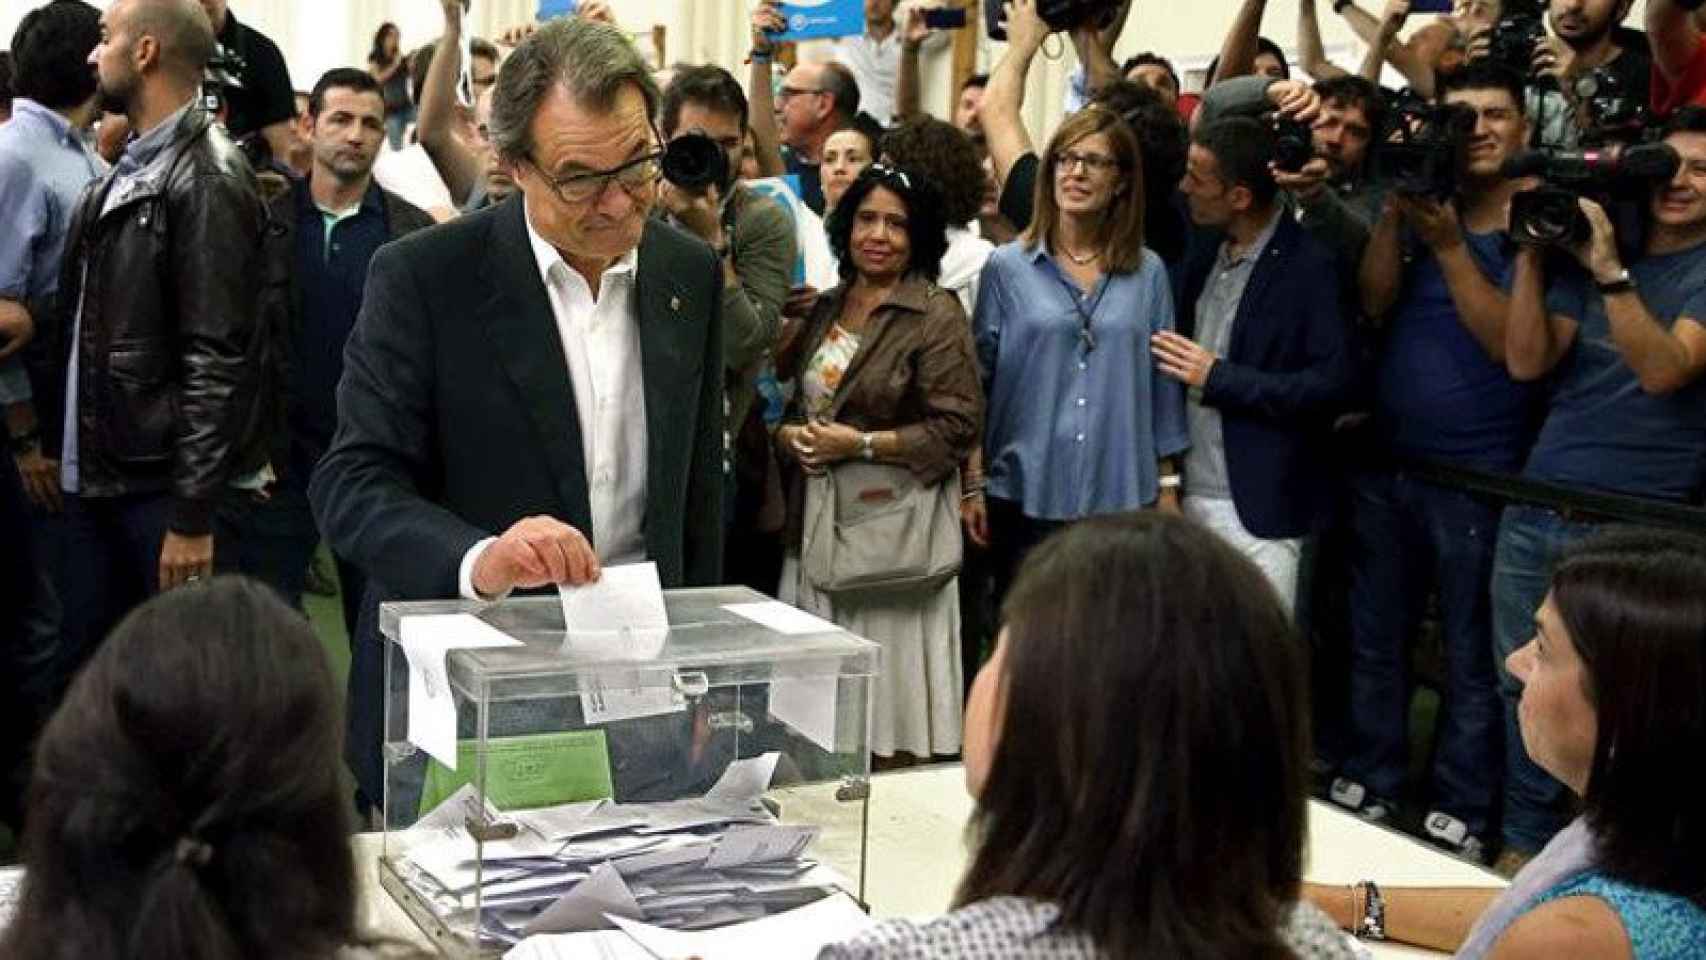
(44, 165)
(1073, 431)
(133, 165)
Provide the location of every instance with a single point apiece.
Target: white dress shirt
(601, 341)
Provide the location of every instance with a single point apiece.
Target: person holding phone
(874, 56)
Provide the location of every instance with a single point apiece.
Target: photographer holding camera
(1433, 270)
(1625, 349)
(1588, 79)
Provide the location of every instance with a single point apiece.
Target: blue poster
(811, 19)
(556, 8)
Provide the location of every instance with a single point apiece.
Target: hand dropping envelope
(426, 640)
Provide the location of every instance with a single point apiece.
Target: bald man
(166, 366)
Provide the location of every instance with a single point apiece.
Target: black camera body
(1294, 144)
(1513, 41)
(1619, 178)
(1611, 112)
(695, 162)
(1420, 146)
(1058, 14)
(223, 72)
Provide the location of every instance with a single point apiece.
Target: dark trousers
(1012, 536)
(1407, 534)
(112, 561)
(31, 566)
(276, 543)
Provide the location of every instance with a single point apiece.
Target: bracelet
(969, 494)
(1371, 919)
(759, 56)
(1171, 481)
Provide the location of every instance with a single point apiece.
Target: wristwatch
(1372, 924)
(867, 448)
(1622, 283)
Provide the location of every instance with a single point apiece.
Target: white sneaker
(1355, 797)
(1452, 834)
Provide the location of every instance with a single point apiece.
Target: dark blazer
(456, 417)
(1287, 373)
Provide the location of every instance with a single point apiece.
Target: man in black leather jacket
(167, 365)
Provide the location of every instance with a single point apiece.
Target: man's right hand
(1307, 182)
(1025, 27)
(766, 20)
(40, 478)
(535, 552)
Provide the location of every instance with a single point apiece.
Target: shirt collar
(546, 255)
(142, 150)
(1256, 247)
(372, 202)
(52, 119)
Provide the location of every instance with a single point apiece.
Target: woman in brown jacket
(885, 371)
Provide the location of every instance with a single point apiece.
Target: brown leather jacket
(174, 367)
(915, 373)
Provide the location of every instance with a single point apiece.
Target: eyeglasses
(786, 92)
(633, 176)
(1066, 160)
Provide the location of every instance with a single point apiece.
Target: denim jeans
(1406, 535)
(1531, 539)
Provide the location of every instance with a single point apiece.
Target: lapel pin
(675, 304)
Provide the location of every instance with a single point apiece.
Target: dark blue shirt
(811, 179)
(1603, 431)
(1439, 396)
(331, 268)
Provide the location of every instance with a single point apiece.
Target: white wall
(317, 35)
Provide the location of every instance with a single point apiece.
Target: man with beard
(1588, 40)
(166, 365)
(335, 220)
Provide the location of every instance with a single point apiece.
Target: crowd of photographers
(1401, 347)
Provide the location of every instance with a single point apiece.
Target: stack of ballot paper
(683, 865)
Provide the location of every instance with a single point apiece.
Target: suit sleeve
(702, 541)
(1314, 388)
(367, 492)
(218, 320)
(764, 262)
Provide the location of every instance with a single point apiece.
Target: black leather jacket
(175, 368)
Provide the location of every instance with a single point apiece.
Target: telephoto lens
(694, 162)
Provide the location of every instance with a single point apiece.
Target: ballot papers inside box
(537, 777)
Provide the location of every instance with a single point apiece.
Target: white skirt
(917, 706)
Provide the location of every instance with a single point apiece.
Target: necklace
(1085, 260)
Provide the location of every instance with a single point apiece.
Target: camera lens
(694, 161)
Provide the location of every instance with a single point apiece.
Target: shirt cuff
(465, 574)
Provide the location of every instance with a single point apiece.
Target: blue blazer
(1286, 375)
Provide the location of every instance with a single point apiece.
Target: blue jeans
(1406, 534)
(1531, 539)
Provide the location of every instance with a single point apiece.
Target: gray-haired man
(535, 390)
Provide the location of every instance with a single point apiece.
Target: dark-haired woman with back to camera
(186, 800)
(1138, 748)
(1079, 422)
(1614, 706)
(885, 374)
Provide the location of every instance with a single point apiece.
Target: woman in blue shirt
(1614, 706)
(1078, 422)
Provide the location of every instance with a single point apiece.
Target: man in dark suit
(1262, 347)
(535, 390)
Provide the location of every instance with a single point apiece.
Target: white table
(916, 851)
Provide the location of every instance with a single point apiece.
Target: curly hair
(926, 229)
(947, 157)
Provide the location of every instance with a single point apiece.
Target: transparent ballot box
(537, 779)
